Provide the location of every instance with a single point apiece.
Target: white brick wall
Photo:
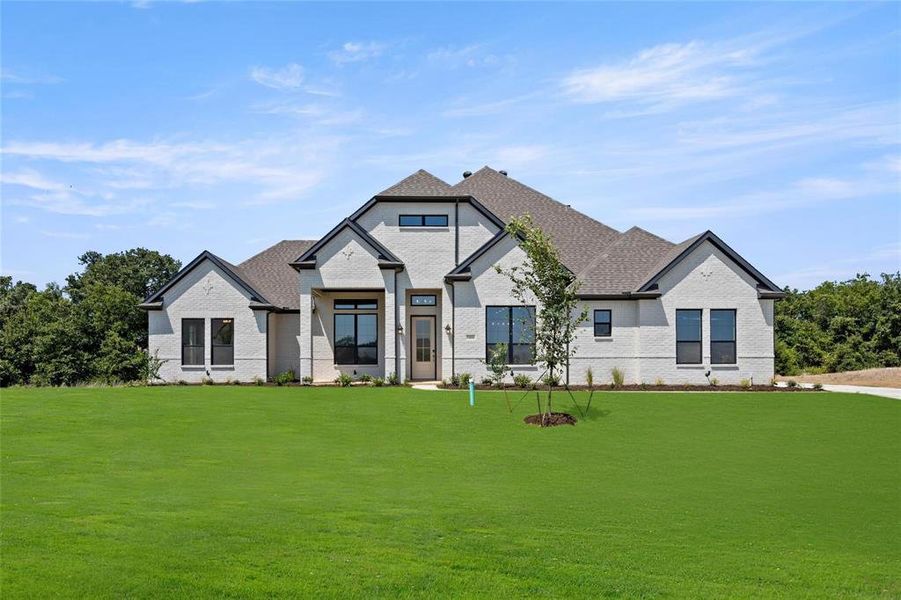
(284, 343)
(706, 279)
(208, 293)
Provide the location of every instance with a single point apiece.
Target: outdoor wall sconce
(447, 328)
(400, 329)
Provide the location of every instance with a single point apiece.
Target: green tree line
(90, 329)
(840, 326)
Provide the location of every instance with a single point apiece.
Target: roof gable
(271, 273)
(386, 258)
(233, 272)
(681, 251)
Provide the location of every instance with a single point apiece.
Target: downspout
(457, 232)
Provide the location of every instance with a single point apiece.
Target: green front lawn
(244, 491)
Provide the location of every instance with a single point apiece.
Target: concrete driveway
(885, 392)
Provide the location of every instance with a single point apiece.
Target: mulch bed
(550, 420)
(652, 388)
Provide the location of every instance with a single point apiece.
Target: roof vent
(466, 174)
(504, 173)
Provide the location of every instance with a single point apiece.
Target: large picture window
(688, 336)
(192, 342)
(513, 326)
(223, 340)
(356, 339)
(602, 323)
(722, 336)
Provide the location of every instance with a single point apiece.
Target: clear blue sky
(191, 126)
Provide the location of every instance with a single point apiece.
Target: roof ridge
(268, 248)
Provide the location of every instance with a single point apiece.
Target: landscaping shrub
(207, 381)
(589, 377)
(454, 381)
(285, 377)
(181, 382)
(618, 377)
(714, 381)
(792, 383)
(393, 379)
(551, 380)
(257, 380)
(465, 378)
(307, 380)
(487, 381)
(818, 386)
(365, 377)
(344, 380)
(378, 381)
(658, 382)
(522, 381)
(745, 383)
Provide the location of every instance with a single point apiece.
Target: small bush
(773, 381)
(378, 381)
(658, 382)
(792, 383)
(181, 382)
(551, 380)
(344, 380)
(522, 381)
(392, 379)
(618, 377)
(465, 378)
(818, 386)
(454, 381)
(307, 380)
(365, 377)
(207, 381)
(285, 377)
(713, 381)
(745, 383)
(257, 380)
(589, 377)
(643, 385)
(234, 381)
(487, 381)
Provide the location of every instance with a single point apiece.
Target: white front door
(423, 347)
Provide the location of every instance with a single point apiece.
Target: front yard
(244, 491)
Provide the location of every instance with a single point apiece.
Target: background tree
(543, 279)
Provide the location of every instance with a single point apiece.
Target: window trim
(509, 343)
(434, 298)
(609, 322)
(202, 341)
(213, 345)
(700, 341)
(734, 340)
(422, 217)
(356, 345)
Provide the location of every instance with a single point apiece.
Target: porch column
(390, 330)
(306, 329)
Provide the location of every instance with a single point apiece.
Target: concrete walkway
(885, 392)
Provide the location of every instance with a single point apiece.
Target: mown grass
(243, 492)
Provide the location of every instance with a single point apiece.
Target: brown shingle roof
(420, 183)
(578, 237)
(624, 265)
(271, 275)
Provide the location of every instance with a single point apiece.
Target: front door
(423, 347)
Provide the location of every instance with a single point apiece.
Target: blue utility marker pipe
(472, 393)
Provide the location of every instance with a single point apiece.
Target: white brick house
(407, 285)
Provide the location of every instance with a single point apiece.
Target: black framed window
(722, 336)
(688, 336)
(423, 300)
(223, 341)
(602, 323)
(192, 342)
(356, 304)
(513, 326)
(422, 220)
(356, 339)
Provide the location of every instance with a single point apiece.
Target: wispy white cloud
(289, 77)
(472, 56)
(28, 78)
(463, 108)
(691, 71)
(351, 52)
(318, 114)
